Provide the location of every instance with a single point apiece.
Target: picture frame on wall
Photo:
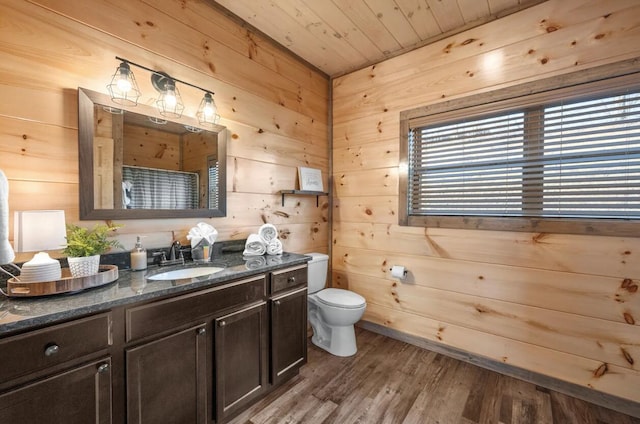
(310, 179)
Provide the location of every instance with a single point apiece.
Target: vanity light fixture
(207, 111)
(123, 87)
(124, 90)
(170, 102)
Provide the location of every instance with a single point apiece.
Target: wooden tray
(66, 284)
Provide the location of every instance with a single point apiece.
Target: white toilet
(332, 312)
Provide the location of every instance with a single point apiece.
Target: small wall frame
(310, 179)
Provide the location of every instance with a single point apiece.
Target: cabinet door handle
(51, 349)
(221, 324)
(102, 368)
(277, 302)
(292, 280)
(202, 331)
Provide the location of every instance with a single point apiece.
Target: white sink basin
(178, 274)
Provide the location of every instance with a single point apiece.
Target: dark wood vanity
(197, 356)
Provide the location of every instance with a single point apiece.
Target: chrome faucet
(174, 250)
(175, 255)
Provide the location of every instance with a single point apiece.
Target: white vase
(84, 266)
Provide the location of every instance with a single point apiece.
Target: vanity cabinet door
(240, 359)
(288, 334)
(167, 379)
(81, 395)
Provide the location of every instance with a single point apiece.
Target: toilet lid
(341, 298)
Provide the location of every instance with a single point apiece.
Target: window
(212, 165)
(565, 160)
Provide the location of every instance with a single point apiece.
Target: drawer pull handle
(222, 324)
(201, 331)
(103, 368)
(277, 303)
(51, 349)
(292, 280)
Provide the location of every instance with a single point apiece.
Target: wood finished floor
(389, 381)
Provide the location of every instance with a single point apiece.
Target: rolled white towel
(6, 251)
(274, 247)
(268, 232)
(254, 246)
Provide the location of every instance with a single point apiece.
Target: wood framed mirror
(136, 164)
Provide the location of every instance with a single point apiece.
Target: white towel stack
(266, 241)
(269, 234)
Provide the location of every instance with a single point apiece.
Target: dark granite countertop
(19, 314)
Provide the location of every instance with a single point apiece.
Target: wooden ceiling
(339, 36)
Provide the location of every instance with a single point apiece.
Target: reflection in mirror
(135, 164)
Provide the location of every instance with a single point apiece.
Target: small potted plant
(84, 247)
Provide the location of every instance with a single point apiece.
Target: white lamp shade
(34, 231)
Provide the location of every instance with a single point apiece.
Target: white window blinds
(570, 159)
(212, 165)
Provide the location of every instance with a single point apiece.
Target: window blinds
(565, 159)
(213, 183)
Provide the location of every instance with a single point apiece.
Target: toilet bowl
(332, 312)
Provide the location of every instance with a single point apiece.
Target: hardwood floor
(389, 381)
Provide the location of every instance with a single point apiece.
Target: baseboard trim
(602, 399)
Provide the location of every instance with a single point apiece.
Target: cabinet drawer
(40, 349)
(156, 317)
(288, 278)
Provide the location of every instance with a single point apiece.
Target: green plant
(88, 242)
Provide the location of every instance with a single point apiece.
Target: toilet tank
(317, 271)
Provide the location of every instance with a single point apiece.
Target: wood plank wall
(274, 106)
(564, 306)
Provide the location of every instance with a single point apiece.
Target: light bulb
(170, 102)
(124, 85)
(170, 99)
(208, 110)
(123, 88)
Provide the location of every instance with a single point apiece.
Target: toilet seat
(341, 298)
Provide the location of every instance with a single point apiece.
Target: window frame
(575, 86)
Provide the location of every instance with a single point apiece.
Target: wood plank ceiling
(339, 36)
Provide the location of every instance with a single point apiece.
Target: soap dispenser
(138, 256)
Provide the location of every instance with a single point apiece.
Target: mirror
(135, 164)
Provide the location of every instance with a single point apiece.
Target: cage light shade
(207, 111)
(34, 231)
(123, 87)
(170, 103)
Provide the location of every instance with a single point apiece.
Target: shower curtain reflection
(149, 188)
